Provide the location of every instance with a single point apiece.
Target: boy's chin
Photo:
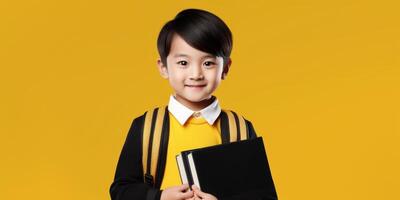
(196, 99)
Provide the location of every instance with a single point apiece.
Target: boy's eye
(182, 62)
(209, 63)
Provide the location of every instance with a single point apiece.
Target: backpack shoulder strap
(233, 126)
(151, 142)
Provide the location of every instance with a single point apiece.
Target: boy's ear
(226, 69)
(162, 68)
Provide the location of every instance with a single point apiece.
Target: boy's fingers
(187, 195)
(198, 191)
(195, 197)
(201, 194)
(183, 187)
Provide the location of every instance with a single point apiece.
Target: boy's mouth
(195, 85)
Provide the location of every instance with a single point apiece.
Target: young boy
(194, 50)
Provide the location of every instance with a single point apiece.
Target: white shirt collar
(183, 113)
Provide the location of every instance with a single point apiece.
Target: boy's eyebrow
(180, 55)
(185, 55)
(208, 56)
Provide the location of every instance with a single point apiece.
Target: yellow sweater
(195, 133)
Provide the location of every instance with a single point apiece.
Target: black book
(227, 169)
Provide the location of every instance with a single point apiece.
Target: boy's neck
(195, 106)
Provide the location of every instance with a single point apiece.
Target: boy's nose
(196, 74)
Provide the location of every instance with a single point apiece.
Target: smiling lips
(195, 86)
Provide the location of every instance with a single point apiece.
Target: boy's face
(193, 74)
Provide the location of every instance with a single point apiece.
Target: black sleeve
(128, 182)
(268, 193)
(252, 132)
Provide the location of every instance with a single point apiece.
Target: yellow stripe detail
(232, 126)
(146, 138)
(242, 124)
(219, 125)
(156, 140)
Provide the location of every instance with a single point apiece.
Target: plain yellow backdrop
(318, 79)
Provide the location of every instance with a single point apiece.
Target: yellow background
(318, 79)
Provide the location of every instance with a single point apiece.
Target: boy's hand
(180, 192)
(198, 194)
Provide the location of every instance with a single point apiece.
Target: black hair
(200, 29)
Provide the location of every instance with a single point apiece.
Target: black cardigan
(128, 182)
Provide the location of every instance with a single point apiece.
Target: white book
(191, 169)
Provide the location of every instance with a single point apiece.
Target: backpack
(155, 134)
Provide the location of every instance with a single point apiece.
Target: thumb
(198, 192)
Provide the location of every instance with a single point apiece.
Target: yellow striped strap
(237, 126)
(146, 138)
(152, 131)
(242, 128)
